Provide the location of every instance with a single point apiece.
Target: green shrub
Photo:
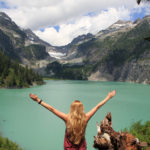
(141, 131)
(6, 144)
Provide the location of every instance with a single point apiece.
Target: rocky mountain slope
(127, 55)
(118, 53)
(22, 45)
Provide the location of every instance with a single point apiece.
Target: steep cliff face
(20, 44)
(128, 58)
(130, 71)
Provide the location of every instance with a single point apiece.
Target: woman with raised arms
(76, 121)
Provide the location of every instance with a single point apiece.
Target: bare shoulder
(66, 118)
(87, 117)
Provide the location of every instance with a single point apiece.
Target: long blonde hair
(76, 123)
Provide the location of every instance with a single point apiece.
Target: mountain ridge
(118, 53)
(21, 44)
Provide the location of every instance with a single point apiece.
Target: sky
(58, 22)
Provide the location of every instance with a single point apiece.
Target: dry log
(108, 139)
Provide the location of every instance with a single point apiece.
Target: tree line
(13, 75)
(67, 71)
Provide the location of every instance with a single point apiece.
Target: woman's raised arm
(61, 115)
(93, 111)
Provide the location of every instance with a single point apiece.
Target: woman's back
(68, 145)
(76, 122)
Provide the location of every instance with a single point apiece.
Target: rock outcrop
(134, 71)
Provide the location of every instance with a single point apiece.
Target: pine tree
(14, 75)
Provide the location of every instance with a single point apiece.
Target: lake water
(35, 128)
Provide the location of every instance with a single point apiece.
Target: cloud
(37, 14)
(147, 10)
(70, 17)
(83, 25)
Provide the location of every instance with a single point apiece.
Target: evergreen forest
(13, 75)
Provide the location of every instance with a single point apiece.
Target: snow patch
(57, 55)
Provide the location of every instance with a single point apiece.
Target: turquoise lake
(35, 128)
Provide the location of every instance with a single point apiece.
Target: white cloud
(83, 25)
(148, 10)
(37, 14)
(70, 15)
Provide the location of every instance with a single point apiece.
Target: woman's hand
(34, 97)
(111, 94)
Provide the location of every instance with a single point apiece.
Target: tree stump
(108, 139)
